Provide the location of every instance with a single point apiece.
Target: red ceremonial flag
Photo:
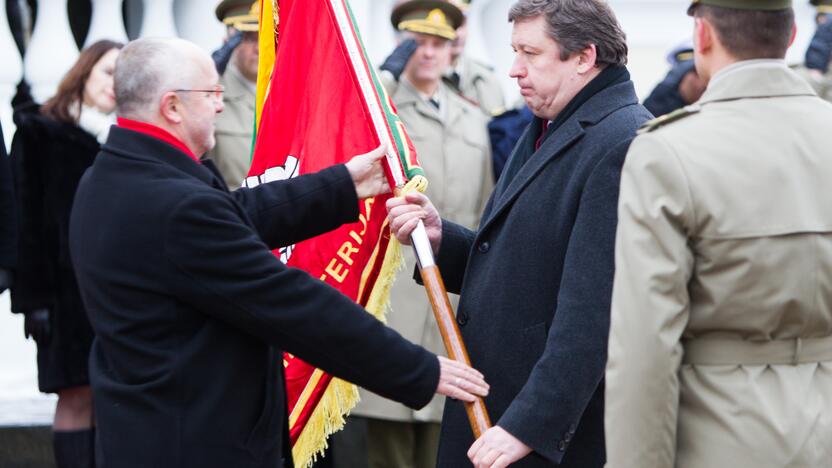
(319, 103)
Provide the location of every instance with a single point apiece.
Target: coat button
(562, 446)
(572, 429)
(462, 319)
(567, 437)
(484, 247)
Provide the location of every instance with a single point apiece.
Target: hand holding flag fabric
(367, 173)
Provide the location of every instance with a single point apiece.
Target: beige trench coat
(724, 258)
(821, 84)
(454, 151)
(235, 126)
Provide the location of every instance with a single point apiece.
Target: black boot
(74, 449)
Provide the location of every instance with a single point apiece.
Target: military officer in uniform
(680, 87)
(451, 140)
(720, 349)
(235, 125)
(472, 78)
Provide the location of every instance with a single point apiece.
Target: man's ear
(794, 34)
(170, 106)
(703, 35)
(587, 58)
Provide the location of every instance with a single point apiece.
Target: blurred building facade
(61, 26)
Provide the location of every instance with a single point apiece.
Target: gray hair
(146, 69)
(577, 24)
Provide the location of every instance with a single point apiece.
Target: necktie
(539, 141)
(455, 79)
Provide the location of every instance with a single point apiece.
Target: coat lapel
(593, 111)
(454, 111)
(406, 95)
(553, 147)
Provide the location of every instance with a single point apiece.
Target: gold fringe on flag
(327, 418)
(393, 262)
(340, 397)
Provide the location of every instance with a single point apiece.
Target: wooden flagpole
(438, 295)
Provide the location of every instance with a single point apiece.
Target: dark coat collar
(593, 111)
(135, 145)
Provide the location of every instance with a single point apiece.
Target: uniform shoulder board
(465, 98)
(674, 116)
(483, 65)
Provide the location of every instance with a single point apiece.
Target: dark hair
(577, 24)
(750, 34)
(71, 89)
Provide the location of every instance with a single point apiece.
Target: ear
(702, 35)
(170, 107)
(587, 58)
(794, 34)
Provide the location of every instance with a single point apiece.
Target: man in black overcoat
(190, 308)
(536, 277)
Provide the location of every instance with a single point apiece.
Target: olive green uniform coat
(478, 83)
(720, 352)
(234, 129)
(453, 149)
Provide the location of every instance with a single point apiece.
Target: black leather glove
(222, 55)
(397, 61)
(37, 324)
(5, 280)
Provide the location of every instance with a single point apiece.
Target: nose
(428, 50)
(219, 106)
(518, 69)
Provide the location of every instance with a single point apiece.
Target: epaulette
(465, 98)
(674, 116)
(498, 111)
(483, 65)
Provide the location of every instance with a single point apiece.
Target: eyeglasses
(218, 90)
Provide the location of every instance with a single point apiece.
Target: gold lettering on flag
(338, 268)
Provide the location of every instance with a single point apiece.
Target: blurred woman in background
(52, 148)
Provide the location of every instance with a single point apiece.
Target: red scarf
(158, 133)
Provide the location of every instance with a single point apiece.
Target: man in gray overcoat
(535, 278)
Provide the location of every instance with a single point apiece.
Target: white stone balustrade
(10, 74)
(196, 22)
(158, 19)
(107, 22)
(52, 50)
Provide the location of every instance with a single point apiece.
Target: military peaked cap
(760, 5)
(433, 17)
(242, 15)
(823, 6)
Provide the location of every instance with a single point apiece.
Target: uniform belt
(737, 352)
